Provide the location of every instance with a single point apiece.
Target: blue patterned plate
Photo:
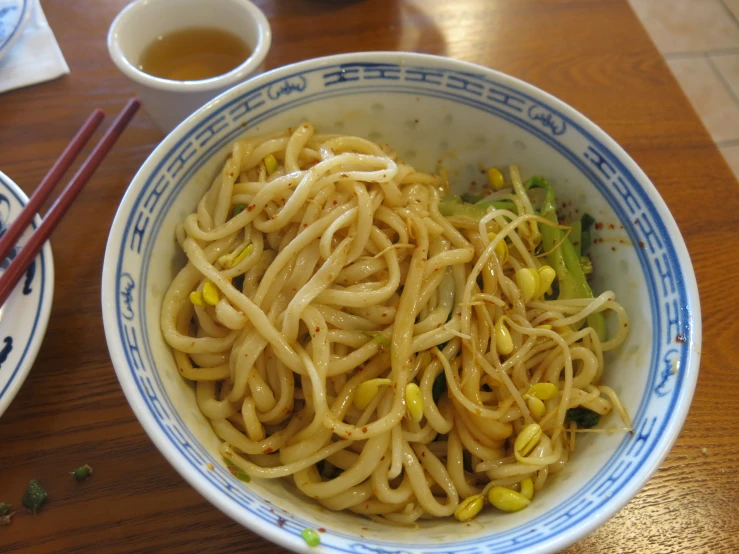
(14, 15)
(24, 315)
(428, 108)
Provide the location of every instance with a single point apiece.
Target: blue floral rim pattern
(21, 339)
(666, 279)
(13, 16)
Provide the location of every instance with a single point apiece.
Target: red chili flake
(250, 207)
(641, 244)
(364, 429)
(636, 222)
(611, 226)
(681, 338)
(598, 225)
(613, 248)
(382, 459)
(227, 454)
(423, 454)
(348, 433)
(305, 225)
(318, 329)
(321, 530)
(335, 202)
(281, 521)
(230, 174)
(268, 451)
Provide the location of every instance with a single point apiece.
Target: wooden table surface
(593, 55)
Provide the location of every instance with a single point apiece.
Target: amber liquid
(193, 54)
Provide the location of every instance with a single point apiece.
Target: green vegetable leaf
(5, 508)
(587, 265)
(563, 257)
(586, 222)
(82, 473)
(236, 471)
(576, 236)
(439, 386)
(555, 291)
(583, 417)
(238, 281)
(471, 198)
(454, 206)
(34, 497)
(238, 208)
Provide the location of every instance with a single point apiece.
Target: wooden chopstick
(55, 174)
(18, 266)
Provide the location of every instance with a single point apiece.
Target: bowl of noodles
(374, 294)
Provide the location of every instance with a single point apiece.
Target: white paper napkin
(35, 58)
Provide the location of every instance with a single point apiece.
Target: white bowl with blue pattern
(25, 314)
(14, 16)
(428, 108)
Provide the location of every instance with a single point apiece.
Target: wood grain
(592, 54)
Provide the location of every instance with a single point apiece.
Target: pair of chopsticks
(20, 263)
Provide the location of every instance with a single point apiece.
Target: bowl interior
(429, 110)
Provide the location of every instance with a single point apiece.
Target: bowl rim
(563, 538)
(35, 338)
(6, 45)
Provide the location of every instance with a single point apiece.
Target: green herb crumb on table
(34, 497)
(82, 473)
(5, 513)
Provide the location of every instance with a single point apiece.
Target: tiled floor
(700, 41)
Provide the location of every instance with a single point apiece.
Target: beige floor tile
(709, 96)
(729, 68)
(733, 5)
(731, 155)
(688, 25)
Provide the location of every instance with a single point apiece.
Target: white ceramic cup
(141, 22)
